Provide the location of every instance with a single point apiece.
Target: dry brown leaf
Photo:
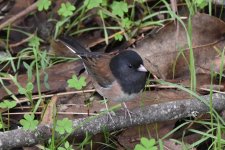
(57, 78)
(160, 52)
(49, 112)
(130, 137)
(171, 145)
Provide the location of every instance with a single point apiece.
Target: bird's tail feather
(73, 45)
(77, 48)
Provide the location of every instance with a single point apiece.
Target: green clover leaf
(28, 122)
(34, 41)
(64, 125)
(201, 3)
(75, 83)
(126, 23)
(29, 87)
(43, 4)
(67, 146)
(3, 105)
(118, 37)
(119, 8)
(92, 3)
(7, 104)
(22, 90)
(66, 9)
(139, 147)
(146, 144)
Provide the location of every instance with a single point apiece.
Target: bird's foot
(109, 113)
(109, 116)
(127, 112)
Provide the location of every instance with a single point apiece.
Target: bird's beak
(142, 69)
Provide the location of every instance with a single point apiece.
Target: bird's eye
(130, 66)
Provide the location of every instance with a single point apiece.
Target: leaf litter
(165, 54)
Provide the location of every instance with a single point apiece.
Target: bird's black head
(128, 69)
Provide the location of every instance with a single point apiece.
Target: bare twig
(22, 41)
(19, 15)
(22, 100)
(59, 113)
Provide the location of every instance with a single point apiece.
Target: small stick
(59, 94)
(19, 15)
(59, 113)
(21, 42)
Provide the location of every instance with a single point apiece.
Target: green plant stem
(2, 122)
(7, 48)
(35, 51)
(210, 102)
(104, 28)
(53, 128)
(8, 119)
(78, 18)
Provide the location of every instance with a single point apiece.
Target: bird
(118, 76)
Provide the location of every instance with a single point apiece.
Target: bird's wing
(98, 67)
(97, 63)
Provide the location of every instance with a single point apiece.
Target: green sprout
(27, 91)
(67, 146)
(6, 104)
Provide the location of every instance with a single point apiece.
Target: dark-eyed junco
(118, 76)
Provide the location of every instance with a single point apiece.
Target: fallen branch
(144, 115)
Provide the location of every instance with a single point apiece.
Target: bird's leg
(108, 111)
(127, 111)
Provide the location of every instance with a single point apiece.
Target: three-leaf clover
(29, 123)
(126, 23)
(43, 4)
(92, 3)
(146, 144)
(67, 146)
(34, 41)
(7, 104)
(66, 9)
(119, 8)
(77, 83)
(63, 126)
(118, 37)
